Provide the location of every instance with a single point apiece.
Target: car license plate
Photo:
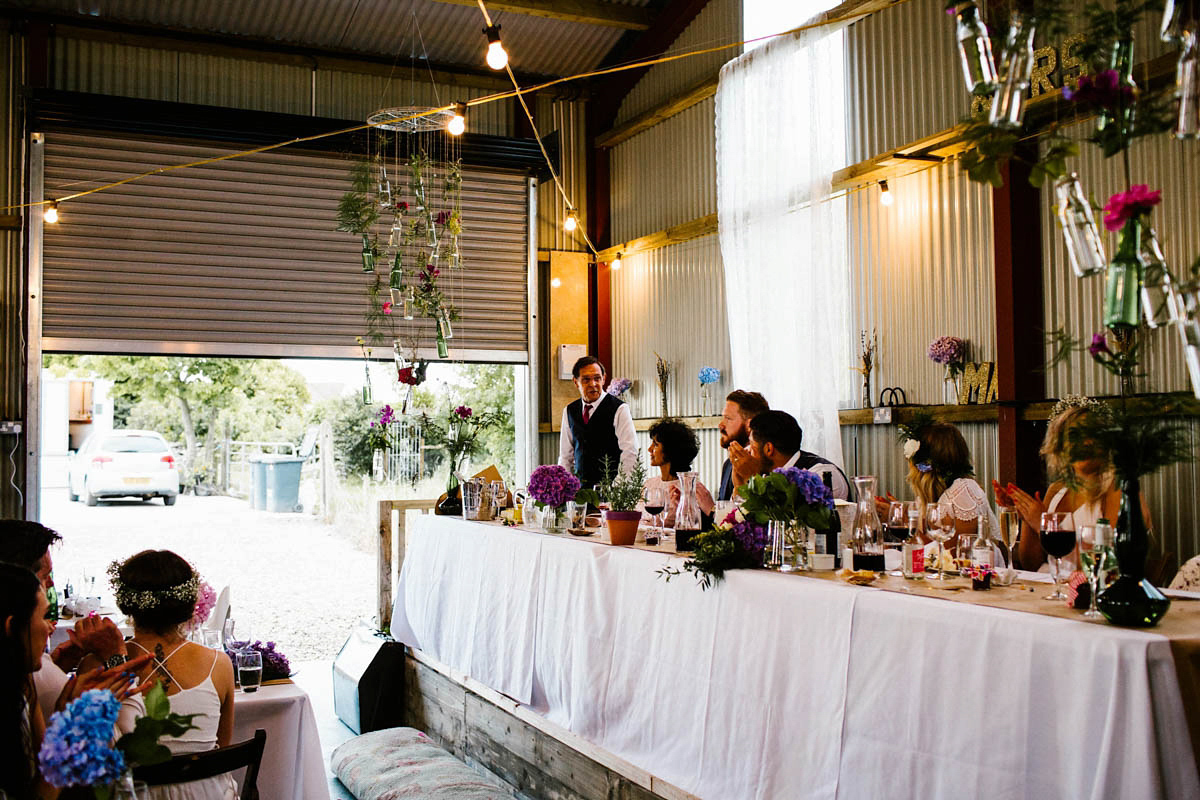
(136, 481)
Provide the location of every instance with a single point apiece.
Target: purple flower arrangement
(751, 537)
(947, 350)
(76, 749)
(619, 386)
(813, 490)
(553, 485)
(275, 664)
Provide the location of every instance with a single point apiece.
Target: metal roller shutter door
(240, 257)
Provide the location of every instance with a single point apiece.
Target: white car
(124, 464)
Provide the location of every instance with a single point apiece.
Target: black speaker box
(368, 681)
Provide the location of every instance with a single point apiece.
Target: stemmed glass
(236, 637)
(899, 527)
(1095, 556)
(656, 503)
(939, 526)
(1058, 540)
(1010, 531)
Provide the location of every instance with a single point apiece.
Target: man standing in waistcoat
(594, 426)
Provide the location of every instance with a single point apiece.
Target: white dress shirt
(622, 424)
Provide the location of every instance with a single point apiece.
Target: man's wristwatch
(115, 661)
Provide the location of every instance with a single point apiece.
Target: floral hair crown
(910, 434)
(1077, 401)
(145, 599)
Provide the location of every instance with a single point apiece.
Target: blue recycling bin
(282, 479)
(258, 482)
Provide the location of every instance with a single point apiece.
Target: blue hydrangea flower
(812, 488)
(709, 375)
(77, 749)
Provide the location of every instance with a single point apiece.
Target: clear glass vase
(1081, 235)
(554, 519)
(1016, 66)
(1187, 85)
(867, 534)
(1122, 115)
(1160, 301)
(368, 254)
(975, 50)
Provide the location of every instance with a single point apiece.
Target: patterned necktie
(587, 413)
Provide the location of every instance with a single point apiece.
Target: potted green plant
(623, 492)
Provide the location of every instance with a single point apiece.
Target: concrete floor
(315, 677)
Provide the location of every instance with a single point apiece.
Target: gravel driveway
(290, 577)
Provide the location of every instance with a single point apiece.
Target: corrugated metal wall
(666, 175)
(568, 118)
(12, 297)
(920, 269)
(719, 23)
(84, 65)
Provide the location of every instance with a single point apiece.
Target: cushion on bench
(405, 763)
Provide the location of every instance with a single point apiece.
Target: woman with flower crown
(940, 471)
(157, 590)
(1084, 487)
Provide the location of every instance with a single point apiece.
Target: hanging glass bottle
(1175, 14)
(974, 49)
(1016, 66)
(384, 193)
(1187, 84)
(1188, 310)
(1085, 251)
(444, 316)
(1124, 277)
(366, 390)
(410, 300)
(368, 254)
(396, 276)
(1159, 302)
(1122, 62)
(443, 349)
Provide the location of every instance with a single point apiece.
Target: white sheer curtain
(780, 135)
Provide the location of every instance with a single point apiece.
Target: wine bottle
(981, 545)
(827, 539)
(913, 552)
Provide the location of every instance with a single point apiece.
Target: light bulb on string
(497, 56)
(885, 196)
(571, 222)
(51, 212)
(616, 262)
(458, 123)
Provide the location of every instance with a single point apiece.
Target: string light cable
(517, 92)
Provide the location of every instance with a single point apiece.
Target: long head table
(772, 686)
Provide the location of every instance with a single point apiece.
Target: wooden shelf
(1182, 404)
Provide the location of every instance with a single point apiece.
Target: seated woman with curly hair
(673, 448)
(157, 590)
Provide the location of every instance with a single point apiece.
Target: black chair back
(198, 766)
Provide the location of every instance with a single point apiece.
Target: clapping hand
(745, 465)
(884, 504)
(1029, 506)
(121, 680)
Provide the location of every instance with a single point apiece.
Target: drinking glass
(655, 498)
(499, 498)
(249, 664)
(939, 526)
(236, 636)
(126, 788)
(1095, 556)
(210, 638)
(1010, 531)
(899, 524)
(1058, 540)
(472, 497)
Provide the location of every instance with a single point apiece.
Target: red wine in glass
(655, 510)
(1058, 543)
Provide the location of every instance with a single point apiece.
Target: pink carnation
(1124, 206)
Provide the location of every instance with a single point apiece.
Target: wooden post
(388, 565)
(1020, 359)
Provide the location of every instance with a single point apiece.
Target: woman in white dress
(673, 448)
(1084, 488)
(940, 471)
(157, 590)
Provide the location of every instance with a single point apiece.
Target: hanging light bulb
(616, 262)
(885, 196)
(458, 123)
(497, 56)
(51, 212)
(555, 283)
(571, 222)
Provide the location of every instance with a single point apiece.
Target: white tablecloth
(292, 765)
(775, 686)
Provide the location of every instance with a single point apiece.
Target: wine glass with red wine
(656, 503)
(1058, 540)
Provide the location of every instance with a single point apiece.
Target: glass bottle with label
(981, 545)
(913, 552)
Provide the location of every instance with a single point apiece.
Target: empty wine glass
(236, 636)
(899, 527)
(1058, 540)
(939, 525)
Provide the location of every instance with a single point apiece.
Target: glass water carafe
(867, 536)
(687, 513)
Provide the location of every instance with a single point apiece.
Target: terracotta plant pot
(622, 526)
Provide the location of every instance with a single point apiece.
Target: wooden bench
(399, 763)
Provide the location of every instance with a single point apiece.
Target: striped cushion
(405, 763)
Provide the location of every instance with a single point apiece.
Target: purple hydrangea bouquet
(275, 664)
(736, 542)
(950, 352)
(619, 386)
(553, 486)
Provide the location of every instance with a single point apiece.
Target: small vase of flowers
(552, 486)
(951, 353)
